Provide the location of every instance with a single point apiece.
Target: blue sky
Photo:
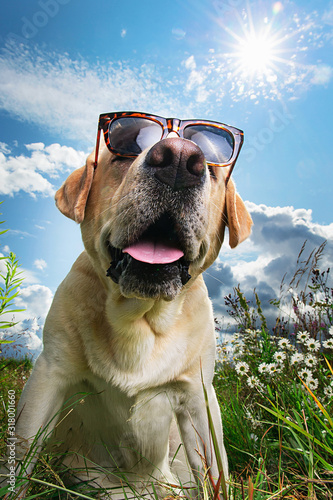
(265, 67)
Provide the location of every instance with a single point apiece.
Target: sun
(255, 54)
(260, 56)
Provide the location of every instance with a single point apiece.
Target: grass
(275, 390)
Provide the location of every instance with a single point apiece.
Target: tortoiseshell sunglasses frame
(168, 125)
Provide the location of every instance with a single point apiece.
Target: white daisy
(310, 360)
(312, 383)
(296, 358)
(242, 367)
(272, 368)
(262, 367)
(328, 391)
(251, 333)
(328, 344)
(313, 345)
(303, 336)
(284, 344)
(305, 374)
(253, 381)
(279, 356)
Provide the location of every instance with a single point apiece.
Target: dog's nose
(179, 163)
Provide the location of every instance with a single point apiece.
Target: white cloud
(27, 333)
(328, 15)
(4, 148)
(26, 339)
(29, 173)
(66, 95)
(40, 264)
(36, 300)
(123, 33)
(190, 63)
(322, 75)
(196, 80)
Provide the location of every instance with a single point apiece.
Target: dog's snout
(179, 163)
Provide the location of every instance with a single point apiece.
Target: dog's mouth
(153, 265)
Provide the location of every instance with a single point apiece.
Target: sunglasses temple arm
(230, 172)
(97, 147)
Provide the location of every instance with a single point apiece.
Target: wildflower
(279, 356)
(313, 345)
(253, 382)
(305, 374)
(331, 330)
(262, 367)
(235, 336)
(310, 360)
(328, 344)
(272, 368)
(303, 337)
(242, 368)
(284, 344)
(312, 383)
(328, 391)
(296, 358)
(254, 437)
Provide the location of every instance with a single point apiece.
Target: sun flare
(263, 50)
(255, 54)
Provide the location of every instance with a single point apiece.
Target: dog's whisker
(214, 277)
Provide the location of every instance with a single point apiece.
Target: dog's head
(159, 218)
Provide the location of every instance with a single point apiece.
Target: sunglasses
(129, 133)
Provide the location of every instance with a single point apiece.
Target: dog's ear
(72, 197)
(239, 220)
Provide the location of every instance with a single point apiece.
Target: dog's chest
(106, 420)
(131, 354)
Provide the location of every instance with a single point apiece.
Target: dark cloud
(268, 256)
(218, 277)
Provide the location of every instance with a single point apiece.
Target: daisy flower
(242, 368)
(328, 391)
(284, 344)
(305, 374)
(313, 345)
(253, 381)
(272, 368)
(303, 336)
(312, 383)
(310, 360)
(279, 356)
(328, 344)
(296, 358)
(262, 367)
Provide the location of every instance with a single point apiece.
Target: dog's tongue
(154, 252)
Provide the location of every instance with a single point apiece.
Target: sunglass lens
(217, 144)
(132, 135)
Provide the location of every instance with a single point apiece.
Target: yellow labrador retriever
(130, 339)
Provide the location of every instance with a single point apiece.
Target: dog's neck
(128, 314)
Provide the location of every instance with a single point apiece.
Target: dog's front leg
(196, 435)
(37, 412)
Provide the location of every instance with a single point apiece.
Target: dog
(129, 341)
